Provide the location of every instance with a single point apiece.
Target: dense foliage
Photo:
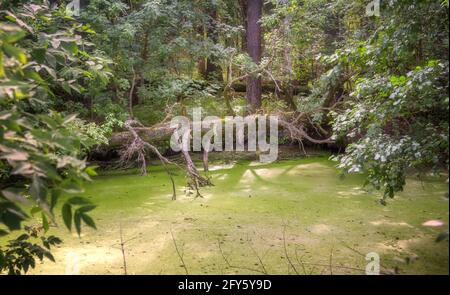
(377, 85)
(41, 149)
(395, 113)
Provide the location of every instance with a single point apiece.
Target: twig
(331, 261)
(300, 261)
(234, 266)
(180, 255)
(264, 270)
(273, 79)
(122, 244)
(122, 248)
(286, 252)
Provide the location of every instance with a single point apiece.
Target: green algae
(293, 216)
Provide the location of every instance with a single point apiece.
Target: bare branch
(237, 267)
(122, 248)
(180, 254)
(286, 251)
(138, 148)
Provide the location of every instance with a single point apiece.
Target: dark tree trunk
(201, 64)
(212, 72)
(201, 68)
(139, 79)
(254, 13)
(243, 14)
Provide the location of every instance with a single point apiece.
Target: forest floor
(292, 216)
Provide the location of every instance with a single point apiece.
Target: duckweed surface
(293, 216)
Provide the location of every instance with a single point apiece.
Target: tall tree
(288, 68)
(243, 16)
(254, 13)
(212, 71)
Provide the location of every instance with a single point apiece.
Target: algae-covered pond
(293, 216)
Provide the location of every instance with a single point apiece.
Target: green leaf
(88, 220)
(51, 123)
(23, 237)
(67, 215)
(10, 18)
(52, 240)
(55, 193)
(87, 208)
(38, 54)
(35, 209)
(77, 221)
(90, 170)
(45, 224)
(66, 87)
(2, 67)
(14, 195)
(50, 172)
(50, 71)
(15, 52)
(35, 76)
(79, 201)
(71, 47)
(11, 215)
(14, 36)
(49, 256)
(2, 233)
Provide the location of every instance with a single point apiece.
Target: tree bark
(254, 13)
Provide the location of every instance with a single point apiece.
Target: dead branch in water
(138, 148)
(122, 244)
(228, 263)
(122, 248)
(179, 253)
(286, 251)
(263, 267)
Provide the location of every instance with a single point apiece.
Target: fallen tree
(292, 123)
(153, 134)
(273, 88)
(137, 141)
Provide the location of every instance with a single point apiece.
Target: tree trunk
(212, 71)
(288, 71)
(254, 13)
(201, 68)
(243, 14)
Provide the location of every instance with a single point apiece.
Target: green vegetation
(97, 87)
